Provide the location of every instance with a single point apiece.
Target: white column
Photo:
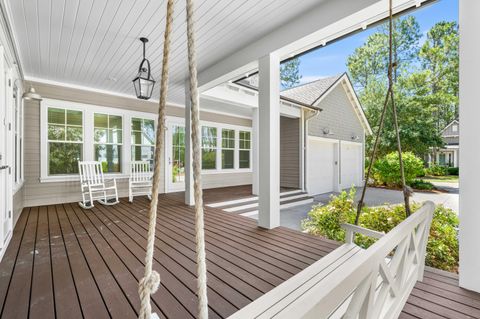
(189, 200)
(269, 141)
(455, 158)
(255, 173)
(469, 170)
(302, 150)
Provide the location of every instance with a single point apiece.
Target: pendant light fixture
(144, 82)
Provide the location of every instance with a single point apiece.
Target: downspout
(308, 116)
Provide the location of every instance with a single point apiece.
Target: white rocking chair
(140, 180)
(93, 187)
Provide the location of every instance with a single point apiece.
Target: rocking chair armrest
(351, 230)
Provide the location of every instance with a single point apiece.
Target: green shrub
(421, 185)
(442, 246)
(436, 170)
(453, 171)
(386, 170)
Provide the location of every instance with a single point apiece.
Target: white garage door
(320, 166)
(350, 164)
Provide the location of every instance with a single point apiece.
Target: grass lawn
(446, 179)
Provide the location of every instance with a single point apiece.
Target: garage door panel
(321, 166)
(351, 165)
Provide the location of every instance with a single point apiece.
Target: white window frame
(88, 135)
(141, 145)
(235, 146)
(238, 149)
(18, 130)
(121, 144)
(219, 127)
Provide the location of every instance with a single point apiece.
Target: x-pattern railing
(388, 284)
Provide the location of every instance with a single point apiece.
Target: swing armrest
(351, 230)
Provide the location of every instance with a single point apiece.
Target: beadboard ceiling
(94, 43)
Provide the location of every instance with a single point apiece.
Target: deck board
(66, 262)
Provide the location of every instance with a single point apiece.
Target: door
(350, 164)
(6, 156)
(175, 157)
(321, 166)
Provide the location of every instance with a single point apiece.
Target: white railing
(377, 282)
(351, 282)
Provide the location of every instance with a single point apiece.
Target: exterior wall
(451, 140)
(449, 129)
(18, 204)
(37, 193)
(289, 152)
(338, 116)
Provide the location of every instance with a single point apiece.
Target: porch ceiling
(95, 43)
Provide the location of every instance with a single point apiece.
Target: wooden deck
(65, 262)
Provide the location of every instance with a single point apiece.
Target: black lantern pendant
(144, 82)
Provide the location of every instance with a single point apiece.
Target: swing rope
(149, 284)
(197, 180)
(389, 97)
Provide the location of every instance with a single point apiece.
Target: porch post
(269, 141)
(189, 200)
(469, 172)
(255, 176)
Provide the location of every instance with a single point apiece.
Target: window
(178, 154)
(228, 149)
(65, 141)
(209, 147)
(454, 128)
(143, 140)
(108, 141)
(244, 149)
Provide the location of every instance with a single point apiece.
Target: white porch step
(307, 200)
(283, 198)
(250, 199)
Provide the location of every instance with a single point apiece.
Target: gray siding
(36, 193)
(449, 129)
(338, 116)
(451, 140)
(289, 152)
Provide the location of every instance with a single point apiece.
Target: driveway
(291, 217)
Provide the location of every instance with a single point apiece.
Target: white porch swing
(350, 282)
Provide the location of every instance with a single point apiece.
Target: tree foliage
(425, 82)
(290, 74)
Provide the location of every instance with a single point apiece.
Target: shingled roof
(307, 93)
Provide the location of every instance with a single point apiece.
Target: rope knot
(148, 285)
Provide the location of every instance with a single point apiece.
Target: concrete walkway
(292, 217)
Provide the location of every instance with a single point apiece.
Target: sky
(331, 59)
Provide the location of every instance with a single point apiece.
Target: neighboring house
(331, 129)
(449, 154)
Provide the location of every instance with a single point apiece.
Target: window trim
(132, 145)
(19, 120)
(88, 137)
(181, 121)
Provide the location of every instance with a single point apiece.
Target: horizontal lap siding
(338, 116)
(289, 152)
(36, 193)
